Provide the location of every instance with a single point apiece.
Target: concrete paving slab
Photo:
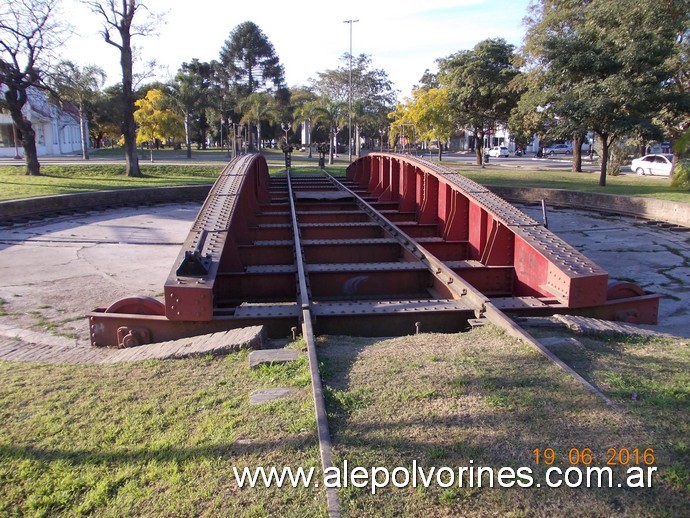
(53, 273)
(261, 396)
(269, 356)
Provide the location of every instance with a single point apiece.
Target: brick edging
(43, 205)
(648, 208)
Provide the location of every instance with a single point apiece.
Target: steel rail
(458, 286)
(304, 298)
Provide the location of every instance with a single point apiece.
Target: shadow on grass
(300, 443)
(491, 408)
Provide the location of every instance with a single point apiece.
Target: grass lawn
(484, 399)
(155, 438)
(626, 184)
(62, 179)
(67, 179)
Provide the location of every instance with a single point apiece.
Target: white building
(57, 129)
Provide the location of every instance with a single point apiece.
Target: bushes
(681, 175)
(619, 155)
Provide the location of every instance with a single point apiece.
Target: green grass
(156, 438)
(63, 179)
(484, 399)
(67, 179)
(627, 185)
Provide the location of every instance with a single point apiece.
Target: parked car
(497, 151)
(558, 149)
(653, 165)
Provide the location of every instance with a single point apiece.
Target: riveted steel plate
(270, 268)
(274, 242)
(353, 242)
(321, 195)
(563, 256)
(388, 306)
(353, 224)
(367, 267)
(503, 211)
(270, 310)
(505, 303)
(465, 184)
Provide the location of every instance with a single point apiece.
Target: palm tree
(333, 114)
(79, 85)
(256, 108)
(185, 97)
(308, 113)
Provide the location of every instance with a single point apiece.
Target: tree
(156, 121)
(603, 63)
(333, 114)
(105, 114)
(79, 85)
(256, 108)
(28, 33)
(249, 61)
(372, 93)
(674, 116)
(431, 116)
(479, 87)
(189, 91)
(304, 111)
(119, 18)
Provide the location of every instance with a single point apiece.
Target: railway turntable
(397, 246)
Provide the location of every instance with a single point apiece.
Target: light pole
(228, 135)
(286, 126)
(349, 108)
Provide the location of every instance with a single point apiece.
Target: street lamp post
(286, 127)
(228, 135)
(349, 110)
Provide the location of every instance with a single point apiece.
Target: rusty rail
(304, 300)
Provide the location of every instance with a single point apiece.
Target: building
(57, 128)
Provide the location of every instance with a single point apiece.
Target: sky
(404, 37)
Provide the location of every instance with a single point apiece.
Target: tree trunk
(604, 158)
(479, 147)
(187, 139)
(358, 149)
(16, 101)
(578, 139)
(33, 167)
(129, 127)
(440, 151)
(84, 133)
(330, 148)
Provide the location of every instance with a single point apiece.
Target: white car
(558, 149)
(498, 151)
(653, 165)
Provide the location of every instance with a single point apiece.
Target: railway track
(397, 246)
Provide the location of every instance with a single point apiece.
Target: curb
(44, 205)
(648, 208)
